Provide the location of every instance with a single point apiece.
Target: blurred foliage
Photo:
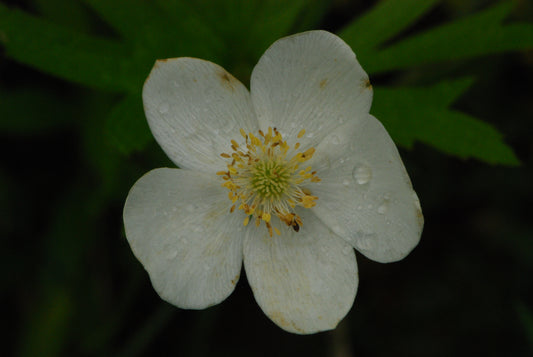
(74, 140)
(235, 33)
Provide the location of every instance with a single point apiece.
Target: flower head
(288, 178)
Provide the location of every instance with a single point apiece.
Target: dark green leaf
(127, 127)
(383, 22)
(422, 114)
(478, 34)
(65, 53)
(160, 29)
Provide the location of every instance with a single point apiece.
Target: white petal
(309, 81)
(194, 108)
(179, 227)
(305, 282)
(365, 195)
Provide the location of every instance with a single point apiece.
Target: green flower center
(266, 181)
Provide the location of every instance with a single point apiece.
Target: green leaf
(161, 29)
(126, 125)
(65, 53)
(383, 22)
(478, 34)
(422, 114)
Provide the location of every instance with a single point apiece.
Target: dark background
(71, 285)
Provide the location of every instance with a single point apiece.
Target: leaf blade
(384, 21)
(73, 56)
(421, 114)
(479, 34)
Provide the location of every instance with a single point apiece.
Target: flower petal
(178, 226)
(309, 81)
(365, 195)
(305, 282)
(194, 108)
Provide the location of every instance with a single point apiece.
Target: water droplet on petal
(172, 254)
(310, 135)
(347, 249)
(163, 107)
(346, 182)
(341, 160)
(383, 208)
(362, 174)
(198, 229)
(335, 140)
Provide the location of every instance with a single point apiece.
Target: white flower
(288, 177)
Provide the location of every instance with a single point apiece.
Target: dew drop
(347, 249)
(362, 174)
(341, 160)
(198, 229)
(383, 208)
(172, 254)
(163, 107)
(310, 135)
(346, 182)
(335, 140)
(294, 125)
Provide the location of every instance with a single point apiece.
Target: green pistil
(270, 179)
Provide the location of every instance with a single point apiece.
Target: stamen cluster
(263, 182)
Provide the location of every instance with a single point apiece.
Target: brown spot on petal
(323, 83)
(279, 319)
(227, 80)
(367, 84)
(235, 280)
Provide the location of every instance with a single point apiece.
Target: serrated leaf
(478, 34)
(63, 52)
(160, 29)
(422, 114)
(384, 21)
(249, 27)
(126, 126)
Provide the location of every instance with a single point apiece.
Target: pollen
(266, 178)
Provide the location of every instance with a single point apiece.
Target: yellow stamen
(264, 175)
